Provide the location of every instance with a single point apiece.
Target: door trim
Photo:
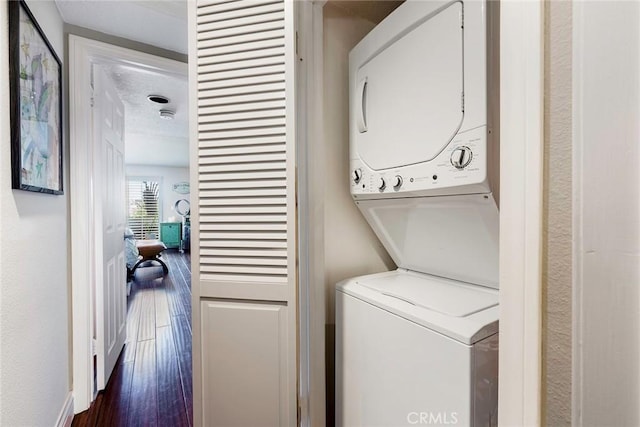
(83, 55)
(311, 297)
(521, 169)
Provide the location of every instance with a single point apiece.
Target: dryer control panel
(459, 169)
(418, 91)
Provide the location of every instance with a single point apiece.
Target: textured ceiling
(161, 23)
(149, 139)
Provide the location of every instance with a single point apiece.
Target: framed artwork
(181, 187)
(36, 105)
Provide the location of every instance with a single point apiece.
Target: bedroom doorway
(155, 364)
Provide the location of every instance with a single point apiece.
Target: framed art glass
(35, 76)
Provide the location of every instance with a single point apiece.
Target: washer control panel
(462, 163)
(461, 157)
(382, 184)
(357, 176)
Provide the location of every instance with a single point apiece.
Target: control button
(397, 182)
(382, 184)
(461, 157)
(357, 175)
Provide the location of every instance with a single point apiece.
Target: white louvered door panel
(242, 63)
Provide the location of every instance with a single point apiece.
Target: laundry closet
(285, 212)
(418, 76)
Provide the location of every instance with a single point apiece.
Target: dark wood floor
(151, 384)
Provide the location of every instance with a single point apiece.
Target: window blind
(143, 201)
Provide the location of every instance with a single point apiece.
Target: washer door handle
(362, 106)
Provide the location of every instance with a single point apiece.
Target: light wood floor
(152, 382)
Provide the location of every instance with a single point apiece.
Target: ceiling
(161, 23)
(149, 139)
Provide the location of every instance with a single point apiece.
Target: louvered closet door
(244, 231)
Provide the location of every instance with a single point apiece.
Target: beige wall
(34, 272)
(557, 231)
(351, 247)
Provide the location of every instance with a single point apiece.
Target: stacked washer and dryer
(419, 345)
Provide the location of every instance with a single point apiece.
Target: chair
(150, 250)
(140, 251)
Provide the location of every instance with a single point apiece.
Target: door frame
(521, 211)
(311, 285)
(84, 54)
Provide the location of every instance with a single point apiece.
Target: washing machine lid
(408, 107)
(447, 236)
(466, 313)
(447, 297)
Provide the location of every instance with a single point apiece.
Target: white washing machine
(419, 345)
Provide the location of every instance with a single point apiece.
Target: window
(143, 207)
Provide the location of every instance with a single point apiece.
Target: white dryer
(419, 345)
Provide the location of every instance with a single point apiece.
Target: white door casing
(521, 214)
(84, 55)
(111, 299)
(309, 148)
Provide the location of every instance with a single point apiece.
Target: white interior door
(110, 296)
(244, 272)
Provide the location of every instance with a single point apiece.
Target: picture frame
(181, 187)
(35, 74)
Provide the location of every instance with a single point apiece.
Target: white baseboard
(66, 414)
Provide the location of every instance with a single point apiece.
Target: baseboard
(66, 414)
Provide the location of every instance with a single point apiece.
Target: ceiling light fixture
(167, 114)
(158, 99)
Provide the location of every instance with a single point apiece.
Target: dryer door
(407, 108)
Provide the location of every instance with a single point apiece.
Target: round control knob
(461, 157)
(357, 175)
(397, 182)
(382, 184)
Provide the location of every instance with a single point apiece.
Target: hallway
(152, 383)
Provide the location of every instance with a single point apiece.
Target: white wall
(169, 176)
(607, 188)
(557, 229)
(34, 286)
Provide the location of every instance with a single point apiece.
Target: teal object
(170, 234)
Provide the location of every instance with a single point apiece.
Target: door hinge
(299, 415)
(94, 347)
(462, 102)
(92, 101)
(296, 45)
